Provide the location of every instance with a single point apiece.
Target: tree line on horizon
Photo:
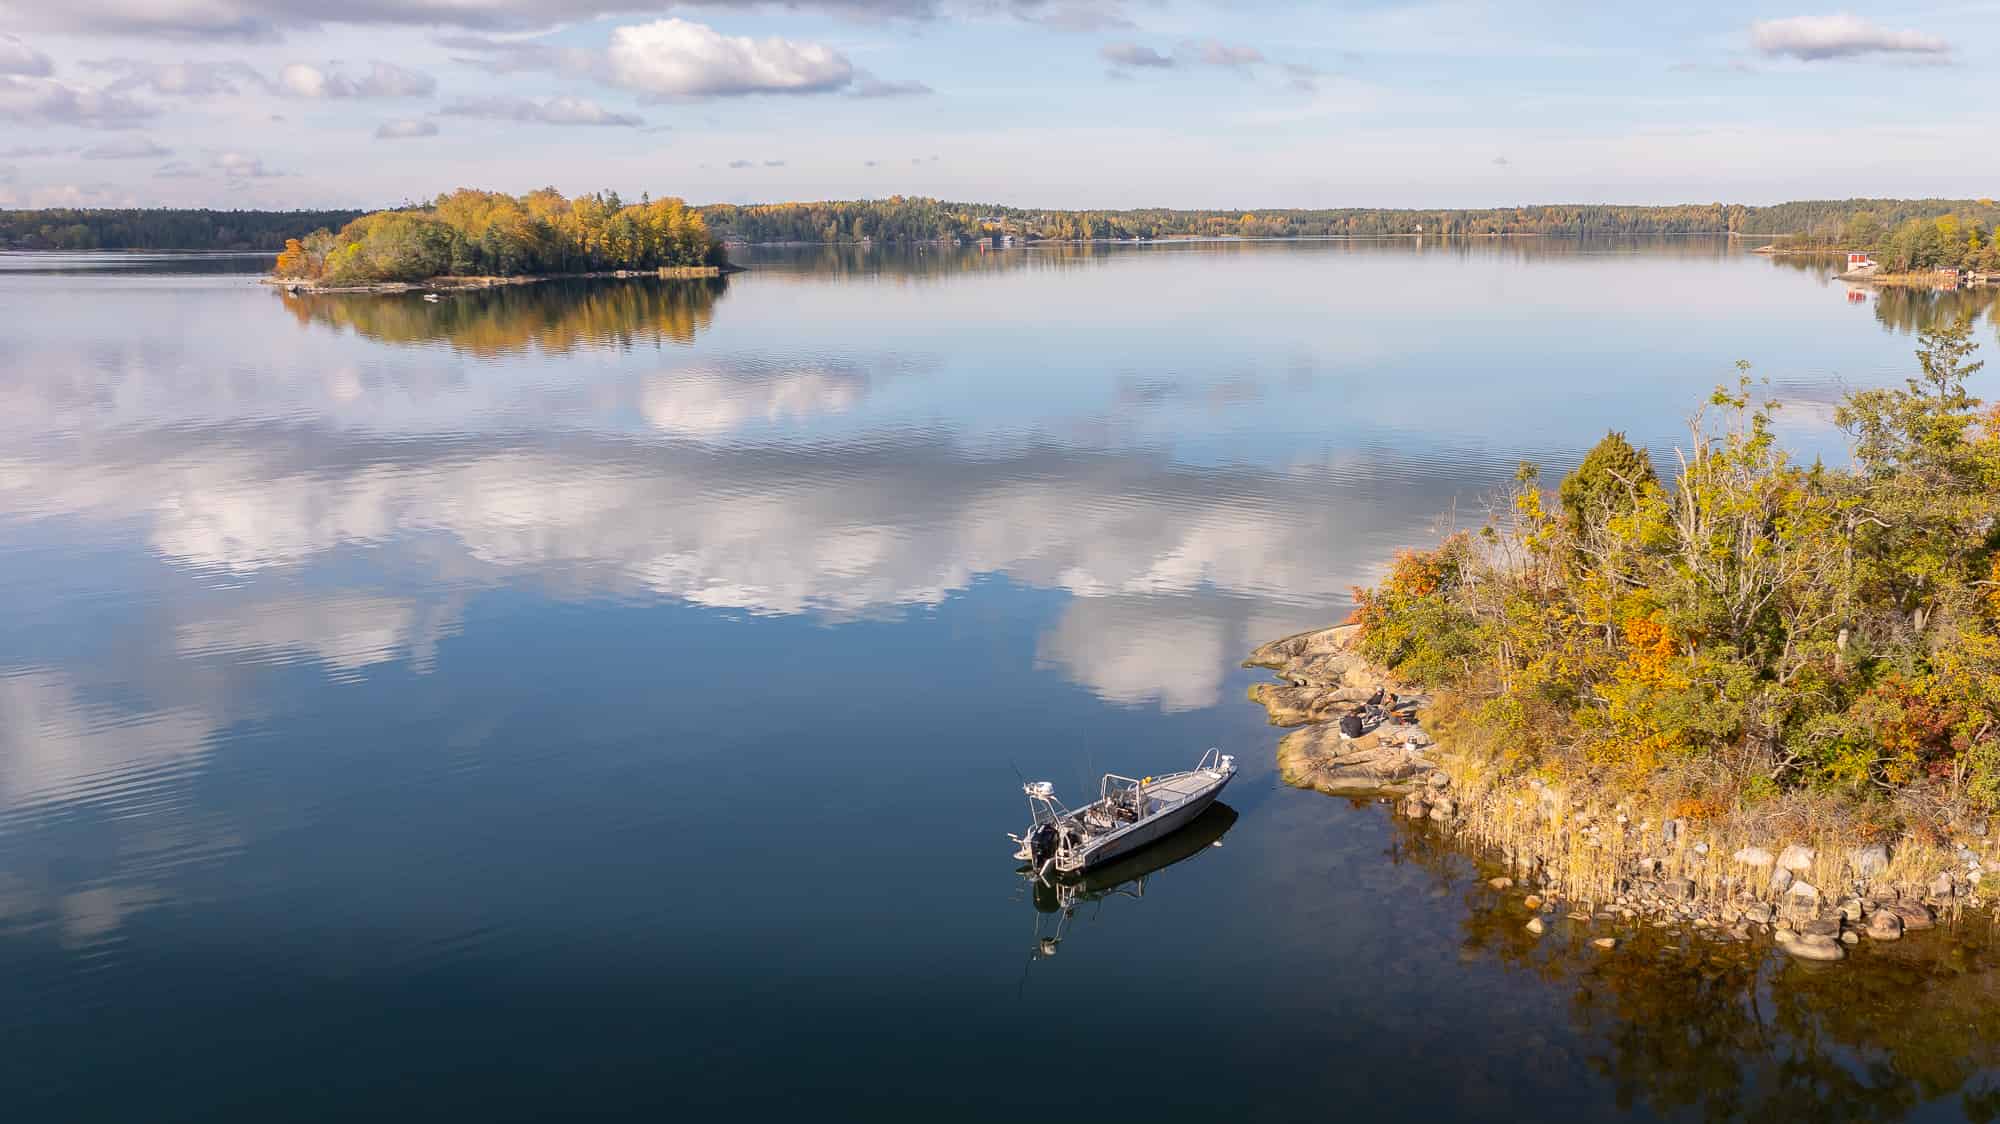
(160, 228)
(915, 218)
(492, 234)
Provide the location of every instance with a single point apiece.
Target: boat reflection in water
(1058, 897)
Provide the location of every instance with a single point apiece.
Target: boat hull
(1152, 829)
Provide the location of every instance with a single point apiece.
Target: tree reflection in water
(1910, 311)
(552, 317)
(1685, 1026)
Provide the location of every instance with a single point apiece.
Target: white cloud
(17, 57)
(676, 58)
(383, 80)
(133, 148)
(264, 20)
(563, 110)
(866, 85)
(1213, 53)
(242, 166)
(192, 79)
(1816, 38)
(1072, 15)
(405, 128)
(1134, 55)
(46, 101)
(1193, 53)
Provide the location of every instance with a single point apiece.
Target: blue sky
(1072, 103)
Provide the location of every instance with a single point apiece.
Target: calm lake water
(599, 700)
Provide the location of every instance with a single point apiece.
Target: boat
(1058, 899)
(1128, 814)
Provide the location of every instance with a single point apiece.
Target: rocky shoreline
(450, 284)
(1601, 862)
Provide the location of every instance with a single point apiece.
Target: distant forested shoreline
(161, 228)
(918, 219)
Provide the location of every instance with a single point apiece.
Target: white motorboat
(1128, 814)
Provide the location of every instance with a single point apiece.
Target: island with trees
(1752, 692)
(472, 237)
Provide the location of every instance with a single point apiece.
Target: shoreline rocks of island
(1600, 862)
(456, 284)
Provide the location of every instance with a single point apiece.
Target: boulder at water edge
(1885, 925)
(1869, 862)
(1797, 858)
(1754, 857)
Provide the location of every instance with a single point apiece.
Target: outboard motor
(1042, 843)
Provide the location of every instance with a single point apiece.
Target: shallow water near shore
(604, 698)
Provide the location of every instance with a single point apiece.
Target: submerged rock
(1885, 925)
(1812, 946)
(1535, 926)
(1915, 915)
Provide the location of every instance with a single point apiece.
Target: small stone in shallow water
(1885, 925)
(1532, 901)
(1850, 937)
(1605, 943)
(1915, 915)
(1535, 925)
(1815, 948)
(1502, 883)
